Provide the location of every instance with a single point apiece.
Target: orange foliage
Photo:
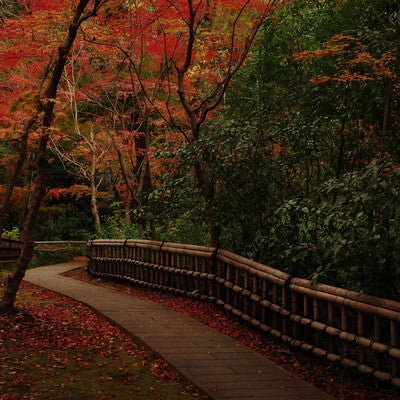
(353, 61)
(74, 192)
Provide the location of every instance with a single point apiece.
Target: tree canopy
(269, 128)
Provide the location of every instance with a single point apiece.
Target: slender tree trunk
(386, 113)
(44, 108)
(14, 281)
(340, 158)
(93, 204)
(93, 186)
(141, 170)
(208, 192)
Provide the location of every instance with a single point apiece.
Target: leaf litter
(56, 348)
(336, 381)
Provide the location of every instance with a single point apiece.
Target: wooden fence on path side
(343, 327)
(9, 250)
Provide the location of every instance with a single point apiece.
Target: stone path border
(217, 364)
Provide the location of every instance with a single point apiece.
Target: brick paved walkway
(220, 366)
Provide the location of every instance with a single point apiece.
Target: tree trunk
(208, 192)
(14, 281)
(93, 186)
(386, 113)
(93, 206)
(44, 108)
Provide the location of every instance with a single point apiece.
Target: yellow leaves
(308, 55)
(382, 67)
(320, 79)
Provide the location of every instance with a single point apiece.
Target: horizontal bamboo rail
(9, 249)
(68, 243)
(338, 325)
(58, 245)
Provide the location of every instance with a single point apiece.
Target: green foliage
(176, 207)
(65, 221)
(183, 230)
(115, 225)
(349, 238)
(9, 8)
(245, 173)
(329, 209)
(51, 257)
(12, 233)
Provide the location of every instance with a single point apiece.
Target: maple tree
(164, 72)
(216, 42)
(42, 116)
(178, 63)
(200, 62)
(111, 100)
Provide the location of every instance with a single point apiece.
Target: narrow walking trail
(218, 365)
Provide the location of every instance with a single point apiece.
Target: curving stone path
(220, 366)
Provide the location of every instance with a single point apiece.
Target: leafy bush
(115, 225)
(351, 237)
(12, 233)
(49, 258)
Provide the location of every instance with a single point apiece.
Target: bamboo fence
(343, 327)
(9, 250)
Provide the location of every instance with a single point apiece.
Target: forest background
(168, 125)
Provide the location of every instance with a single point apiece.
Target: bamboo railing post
(274, 301)
(317, 336)
(228, 289)
(245, 299)
(343, 324)
(294, 310)
(264, 294)
(306, 313)
(220, 292)
(331, 322)
(377, 337)
(284, 306)
(394, 342)
(254, 305)
(235, 293)
(360, 332)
